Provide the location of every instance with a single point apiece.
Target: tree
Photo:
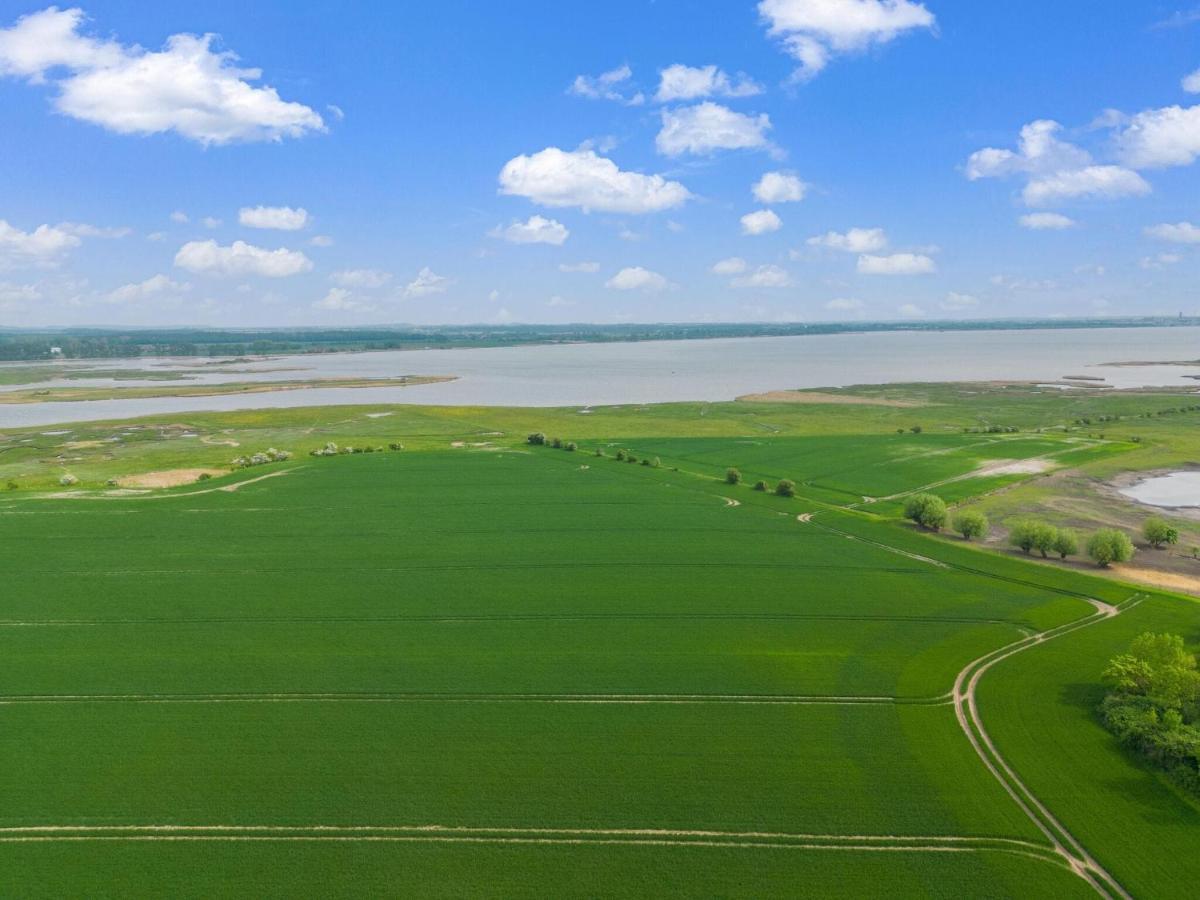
(971, 524)
(927, 510)
(1066, 543)
(916, 429)
(621, 456)
(537, 439)
(1044, 538)
(733, 476)
(786, 488)
(760, 485)
(1021, 534)
(1158, 532)
(1108, 545)
(571, 446)
(556, 443)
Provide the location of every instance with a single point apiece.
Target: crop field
(525, 671)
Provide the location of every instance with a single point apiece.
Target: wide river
(659, 371)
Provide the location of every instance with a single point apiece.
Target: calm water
(653, 372)
(1179, 489)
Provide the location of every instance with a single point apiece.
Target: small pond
(1178, 489)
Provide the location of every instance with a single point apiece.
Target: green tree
(571, 446)
(733, 476)
(927, 510)
(760, 485)
(537, 439)
(1021, 534)
(1159, 532)
(1066, 543)
(1108, 545)
(786, 488)
(1045, 536)
(971, 524)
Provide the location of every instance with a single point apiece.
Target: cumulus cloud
(680, 82)
(1055, 169)
(186, 87)
(760, 222)
(856, 240)
(94, 231)
(321, 240)
(635, 278)
(611, 85)
(179, 217)
(427, 282)
(360, 278)
(896, 264)
(1046, 221)
(282, 218)
(579, 267)
(554, 177)
(1179, 233)
(210, 222)
(1160, 261)
(45, 246)
(779, 187)
(707, 127)
(814, 31)
(156, 286)
(734, 265)
(955, 302)
(1157, 138)
(537, 230)
(769, 276)
(340, 299)
(239, 259)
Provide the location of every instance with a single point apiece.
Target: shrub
(556, 443)
(733, 476)
(621, 454)
(570, 446)
(1066, 543)
(760, 485)
(599, 451)
(204, 476)
(927, 510)
(67, 480)
(272, 455)
(395, 445)
(537, 439)
(330, 449)
(971, 524)
(655, 463)
(631, 458)
(11, 486)
(916, 429)
(1108, 545)
(1159, 532)
(785, 488)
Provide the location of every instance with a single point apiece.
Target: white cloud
(709, 126)
(856, 240)
(910, 311)
(94, 231)
(611, 85)
(156, 236)
(341, 299)
(1163, 137)
(282, 218)
(239, 259)
(955, 302)
(1162, 260)
(179, 217)
(537, 230)
(557, 301)
(635, 278)
(812, 31)
(769, 276)
(186, 87)
(1191, 82)
(210, 222)
(734, 265)
(779, 187)
(156, 286)
(321, 240)
(844, 304)
(1179, 233)
(579, 267)
(361, 278)
(680, 82)
(896, 264)
(760, 222)
(44, 246)
(18, 297)
(427, 282)
(554, 177)
(1056, 170)
(1046, 221)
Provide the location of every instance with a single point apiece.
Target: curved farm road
(967, 713)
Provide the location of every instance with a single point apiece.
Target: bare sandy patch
(1171, 581)
(825, 397)
(166, 478)
(1013, 467)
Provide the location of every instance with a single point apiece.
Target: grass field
(517, 671)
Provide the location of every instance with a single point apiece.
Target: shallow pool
(1174, 490)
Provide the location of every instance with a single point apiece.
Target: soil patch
(824, 397)
(166, 478)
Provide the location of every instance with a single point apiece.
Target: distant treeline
(102, 343)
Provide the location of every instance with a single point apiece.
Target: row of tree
(1153, 705)
(785, 487)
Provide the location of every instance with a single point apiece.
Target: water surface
(1174, 491)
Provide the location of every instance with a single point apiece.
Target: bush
(10, 486)
(785, 488)
(1108, 545)
(927, 510)
(971, 524)
(537, 439)
(67, 480)
(1159, 532)
(733, 476)
(916, 429)
(271, 455)
(204, 476)
(760, 485)
(655, 463)
(1066, 543)
(570, 446)
(599, 452)
(395, 445)
(556, 443)
(621, 454)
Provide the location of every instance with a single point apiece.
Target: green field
(517, 671)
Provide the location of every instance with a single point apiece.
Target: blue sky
(548, 162)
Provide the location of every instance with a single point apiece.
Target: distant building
(56, 351)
